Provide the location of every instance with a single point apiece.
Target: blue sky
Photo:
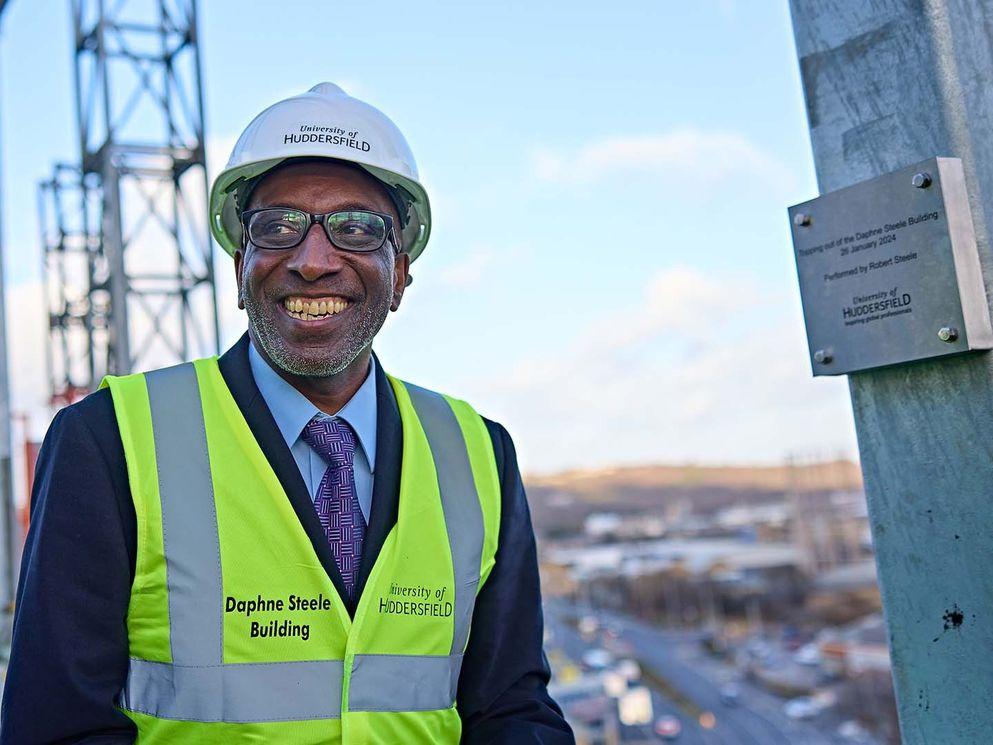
(610, 273)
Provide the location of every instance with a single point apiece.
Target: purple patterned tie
(336, 503)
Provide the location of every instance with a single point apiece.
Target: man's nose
(315, 256)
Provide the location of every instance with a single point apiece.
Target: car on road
(730, 694)
(587, 627)
(668, 727)
(852, 730)
(808, 654)
(628, 669)
(801, 707)
(597, 659)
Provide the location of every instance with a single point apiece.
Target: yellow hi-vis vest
(236, 632)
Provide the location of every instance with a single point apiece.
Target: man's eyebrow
(346, 207)
(359, 206)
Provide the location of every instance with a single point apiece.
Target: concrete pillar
(887, 84)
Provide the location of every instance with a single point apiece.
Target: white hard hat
(324, 122)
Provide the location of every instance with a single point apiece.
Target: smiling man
(286, 544)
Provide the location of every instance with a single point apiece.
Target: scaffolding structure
(127, 252)
(76, 275)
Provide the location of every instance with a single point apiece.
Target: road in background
(679, 658)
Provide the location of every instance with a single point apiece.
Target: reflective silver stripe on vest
(189, 521)
(268, 692)
(385, 682)
(460, 502)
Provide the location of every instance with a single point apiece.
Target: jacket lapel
(237, 374)
(386, 478)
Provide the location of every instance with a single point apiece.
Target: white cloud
(699, 368)
(27, 373)
(673, 301)
(468, 268)
(27, 338)
(687, 156)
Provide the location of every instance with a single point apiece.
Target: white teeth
(312, 309)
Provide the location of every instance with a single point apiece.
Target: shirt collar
(292, 410)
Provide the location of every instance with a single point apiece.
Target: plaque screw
(922, 180)
(801, 219)
(948, 334)
(823, 357)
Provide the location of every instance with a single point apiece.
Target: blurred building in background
(765, 576)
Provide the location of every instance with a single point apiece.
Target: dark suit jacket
(70, 648)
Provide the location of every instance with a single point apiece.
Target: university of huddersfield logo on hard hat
(329, 135)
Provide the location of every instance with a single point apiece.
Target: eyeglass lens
(284, 228)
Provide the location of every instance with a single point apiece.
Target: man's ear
(401, 277)
(239, 262)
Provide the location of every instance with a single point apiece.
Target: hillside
(561, 502)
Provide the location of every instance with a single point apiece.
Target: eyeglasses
(350, 230)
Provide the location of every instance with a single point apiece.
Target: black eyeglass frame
(322, 218)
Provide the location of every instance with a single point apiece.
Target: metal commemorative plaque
(889, 270)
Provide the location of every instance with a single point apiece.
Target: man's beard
(321, 363)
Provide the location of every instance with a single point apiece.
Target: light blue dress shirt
(292, 411)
